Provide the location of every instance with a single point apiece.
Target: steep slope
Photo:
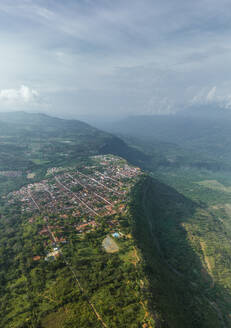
(186, 266)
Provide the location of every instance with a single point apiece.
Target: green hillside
(186, 254)
(57, 211)
(182, 217)
(31, 143)
(89, 240)
(198, 138)
(68, 258)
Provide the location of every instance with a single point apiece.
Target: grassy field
(215, 185)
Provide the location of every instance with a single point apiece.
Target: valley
(113, 234)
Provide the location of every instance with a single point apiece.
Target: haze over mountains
(202, 129)
(56, 139)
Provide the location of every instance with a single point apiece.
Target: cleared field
(215, 185)
(31, 175)
(110, 245)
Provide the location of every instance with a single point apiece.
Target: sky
(109, 58)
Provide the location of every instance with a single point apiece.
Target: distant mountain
(35, 140)
(206, 110)
(205, 130)
(37, 122)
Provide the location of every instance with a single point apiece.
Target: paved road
(89, 188)
(80, 200)
(100, 184)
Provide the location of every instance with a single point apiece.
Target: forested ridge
(178, 238)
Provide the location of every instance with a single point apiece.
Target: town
(78, 196)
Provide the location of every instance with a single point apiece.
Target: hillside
(67, 255)
(31, 143)
(186, 254)
(192, 127)
(182, 217)
(68, 258)
(113, 244)
(89, 240)
(200, 135)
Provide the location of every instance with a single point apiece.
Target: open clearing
(30, 175)
(215, 185)
(110, 245)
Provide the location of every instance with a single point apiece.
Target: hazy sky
(112, 57)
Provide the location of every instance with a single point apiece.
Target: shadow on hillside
(118, 147)
(182, 292)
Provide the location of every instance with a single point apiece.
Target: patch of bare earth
(110, 245)
(207, 261)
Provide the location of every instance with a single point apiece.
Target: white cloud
(104, 57)
(211, 94)
(23, 95)
(215, 96)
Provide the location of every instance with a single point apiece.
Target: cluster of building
(77, 196)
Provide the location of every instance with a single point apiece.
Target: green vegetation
(39, 293)
(172, 267)
(204, 133)
(188, 204)
(34, 290)
(187, 256)
(34, 142)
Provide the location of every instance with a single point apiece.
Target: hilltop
(31, 143)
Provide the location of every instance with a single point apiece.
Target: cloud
(214, 96)
(102, 57)
(22, 95)
(211, 94)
